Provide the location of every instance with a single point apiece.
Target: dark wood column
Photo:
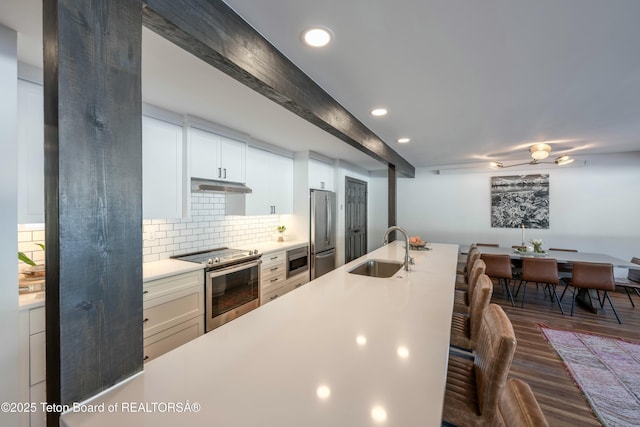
(392, 199)
(93, 187)
(213, 32)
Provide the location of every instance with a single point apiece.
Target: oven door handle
(234, 268)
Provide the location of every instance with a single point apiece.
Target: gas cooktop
(219, 256)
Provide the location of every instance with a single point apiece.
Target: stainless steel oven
(297, 261)
(231, 292)
(232, 283)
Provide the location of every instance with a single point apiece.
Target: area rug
(607, 370)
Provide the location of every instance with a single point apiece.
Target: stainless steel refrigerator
(322, 236)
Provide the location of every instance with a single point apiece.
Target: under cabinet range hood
(200, 185)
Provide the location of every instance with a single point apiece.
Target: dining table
(584, 297)
(563, 257)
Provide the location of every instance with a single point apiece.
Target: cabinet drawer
(273, 258)
(166, 285)
(37, 359)
(273, 270)
(297, 281)
(172, 309)
(271, 295)
(173, 337)
(37, 320)
(272, 282)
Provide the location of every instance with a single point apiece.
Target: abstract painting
(520, 199)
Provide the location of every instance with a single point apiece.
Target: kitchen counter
(344, 350)
(268, 247)
(167, 267)
(30, 300)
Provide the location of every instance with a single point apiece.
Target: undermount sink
(377, 268)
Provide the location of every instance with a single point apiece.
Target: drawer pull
(145, 320)
(145, 358)
(274, 268)
(145, 292)
(273, 297)
(273, 257)
(275, 279)
(298, 285)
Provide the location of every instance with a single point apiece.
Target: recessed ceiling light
(379, 112)
(317, 36)
(403, 140)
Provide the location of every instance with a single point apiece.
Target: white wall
(378, 211)
(9, 358)
(593, 208)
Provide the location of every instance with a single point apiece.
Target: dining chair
(593, 275)
(475, 382)
(463, 263)
(499, 267)
(632, 281)
(518, 406)
(461, 298)
(465, 328)
(540, 271)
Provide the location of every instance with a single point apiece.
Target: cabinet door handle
(225, 173)
(145, 358)
(145, 320)
(219, 172)
(145, 292)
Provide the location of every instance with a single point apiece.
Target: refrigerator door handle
(327, 255)
(329, 219)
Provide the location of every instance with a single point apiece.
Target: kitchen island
(345, 350)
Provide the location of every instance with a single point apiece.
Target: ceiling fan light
(564, 160)
(540, 151)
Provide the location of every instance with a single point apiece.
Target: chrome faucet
(407, 259)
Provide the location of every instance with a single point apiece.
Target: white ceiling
(467, 81)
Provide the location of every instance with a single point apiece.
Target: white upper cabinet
(161, 169)
(30, 153)
(270, 176)
(216, 157)
(320, 175)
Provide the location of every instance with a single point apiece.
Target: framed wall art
(520, 199)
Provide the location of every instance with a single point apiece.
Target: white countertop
(167, 267)
(30, 300)
(342, 335)
(268, 247)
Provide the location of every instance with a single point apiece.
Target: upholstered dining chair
(540, 271)
(462, 299)
(518, 406)
(463, 260)
(475, 383)
(499, 267)
(632, 281)
(465, 328)
(593, 275)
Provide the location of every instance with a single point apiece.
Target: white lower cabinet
(273, 279)
(273, 274)
(173, 312)
(33, 365)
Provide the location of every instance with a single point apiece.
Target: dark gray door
(355, 219)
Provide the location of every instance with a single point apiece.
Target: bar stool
(540, 271)
(594, 275)
(499, 267)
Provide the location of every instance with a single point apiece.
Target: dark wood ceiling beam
(213, 32)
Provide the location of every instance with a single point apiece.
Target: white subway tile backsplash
(207, 228)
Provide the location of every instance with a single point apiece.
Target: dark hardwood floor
(537, 363)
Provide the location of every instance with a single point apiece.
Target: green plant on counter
(24, 258)
(282, 229)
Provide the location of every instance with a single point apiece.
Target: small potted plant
(281, 229)
(537, 245)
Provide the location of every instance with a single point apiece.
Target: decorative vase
(280, 237)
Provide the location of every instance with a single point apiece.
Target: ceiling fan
(539, 152)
